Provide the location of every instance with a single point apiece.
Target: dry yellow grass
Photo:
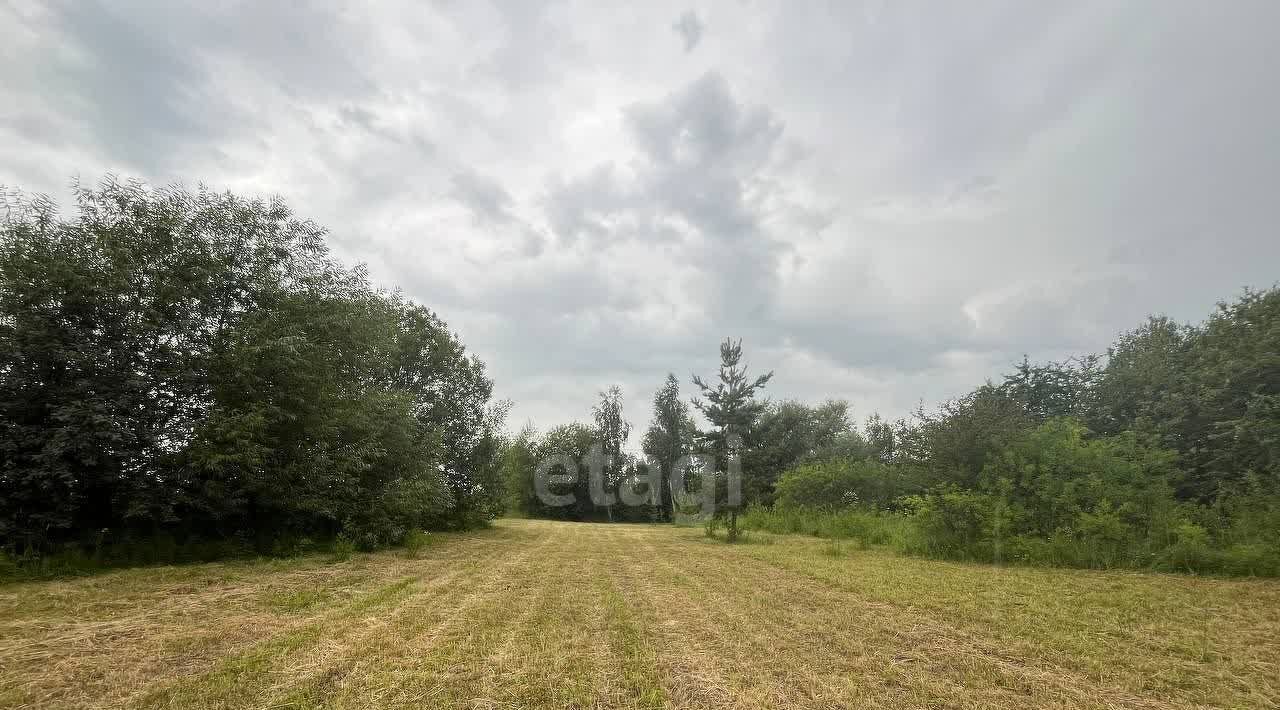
(543, 614)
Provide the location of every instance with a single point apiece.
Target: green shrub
(1251, 559)
(954, 524)
(1191, 552)
(343, 548)
(871, 527)
(1104, 539)
(415, 542)
(841, 483)
(710, 526)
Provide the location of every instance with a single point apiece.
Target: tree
(841, 483)
(880, 439)
(195, 364)
(571, 443)
(518, 463)
(1054, 389)
(953, 443)
(732, 410)
(1144, 384)
(612, 429)
(787, 434)
(670, 437)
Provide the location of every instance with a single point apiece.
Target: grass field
(544, 614)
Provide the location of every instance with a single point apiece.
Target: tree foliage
(670, 436)
(732, 410)
(195, 364)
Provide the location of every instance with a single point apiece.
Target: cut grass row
(545, 614)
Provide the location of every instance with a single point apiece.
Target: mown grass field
(544, 614)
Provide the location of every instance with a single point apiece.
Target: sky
(889, 202)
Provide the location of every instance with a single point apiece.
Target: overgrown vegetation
(1164, 454)
(189, 375)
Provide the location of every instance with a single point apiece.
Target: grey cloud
(705, 149)
(1069, 314)
(535, 44)
(702, 125)
(690, 28)
(129, 83)
(584, 204)
(700, 150)
(484, 196)
(142, 86)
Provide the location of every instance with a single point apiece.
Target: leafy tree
(1144, 385)
(881, 439)
(1055, 389)
(1053, 493)
(1209, 392)
(670, 436)
(519, 460)
(787, 434)
(954, 443)
(1235, 399)
(612, 430)
(194, 364)
(110, 325)
(573, 443)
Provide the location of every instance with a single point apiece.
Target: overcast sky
(889, 202)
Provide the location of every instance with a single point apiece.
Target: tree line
(188, 373)
(1164, 452)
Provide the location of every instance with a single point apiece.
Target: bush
(954, 524)
(415, 542)
(1191, 551)
(710, 526)
(343, 548)
(841, 483)
(1255, 560)
(875, 528)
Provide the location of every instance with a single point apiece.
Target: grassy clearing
(544, 614)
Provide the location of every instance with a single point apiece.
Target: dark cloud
(134, 86)
(690, 28)
(486, 199)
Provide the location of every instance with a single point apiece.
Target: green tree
(572, 443)
(669, 437)
(519, 461)
(195, 364)
(954, 443)
(1054, 389)
(787, 434)
(612, 430)
(842, 483)
(731, 408)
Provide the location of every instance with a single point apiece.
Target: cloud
(690, 28)
(486, 199)
(889, 202)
